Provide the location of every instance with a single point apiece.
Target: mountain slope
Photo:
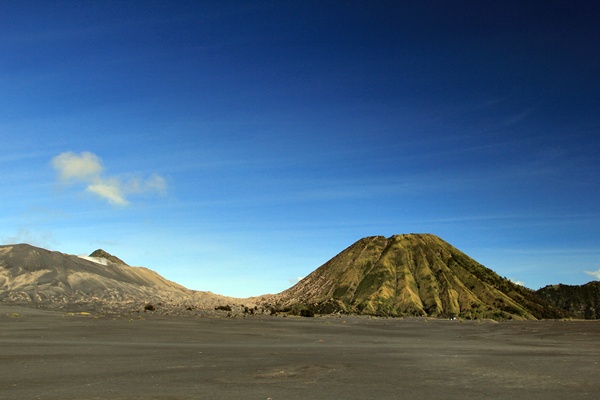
(414, 274)
(583, 301)
(32, 274)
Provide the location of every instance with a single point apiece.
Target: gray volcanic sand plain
(57, 355)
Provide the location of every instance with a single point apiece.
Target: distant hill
(30, 274)
(411, 275)
(583, 301)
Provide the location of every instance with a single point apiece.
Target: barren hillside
(30, 274)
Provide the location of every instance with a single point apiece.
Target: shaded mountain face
(30, 274)
(583, 301)
(411, 275)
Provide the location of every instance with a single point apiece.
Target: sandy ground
(55, 355)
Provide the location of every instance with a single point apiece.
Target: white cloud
(595, 274)
(87, 167)
(155, 183)
(109, 190)
(97, 260)
(84, 167)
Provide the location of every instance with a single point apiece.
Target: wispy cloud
(110, 190)
(517, 117)
(295, 280)
(595, 274)
(155, 183)
(87, 168)
(35, 237)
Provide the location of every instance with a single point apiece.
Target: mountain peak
(103, 254)
(30, 274)
(411, 274)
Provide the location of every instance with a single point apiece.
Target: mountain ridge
(30, 274)
(581, 300)
(403, 275)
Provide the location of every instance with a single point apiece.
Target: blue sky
(236, 146)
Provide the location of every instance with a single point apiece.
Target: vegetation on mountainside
(583, 301)
(413, 275)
